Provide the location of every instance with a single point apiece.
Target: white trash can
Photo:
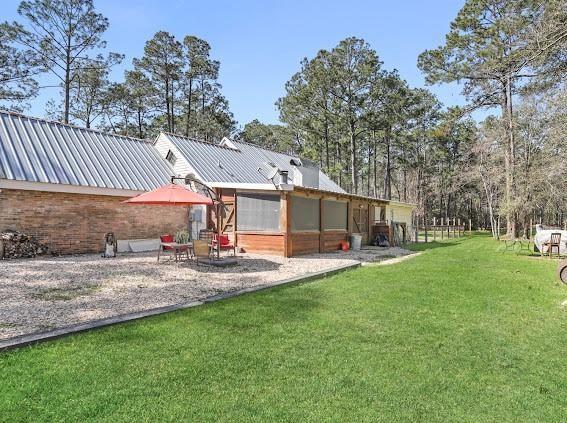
(355, 241)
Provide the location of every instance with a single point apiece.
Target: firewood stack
(14, 244)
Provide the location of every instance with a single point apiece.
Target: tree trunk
(353, 172)
(375, 164)
(326, 135)
(509, 158)
(369, 169)
(140, 134)
(188, 115)
(172, 107)
(388, 170)
(167, 104)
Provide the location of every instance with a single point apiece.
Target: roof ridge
(192, 139)
(70, 125)
(264, 148)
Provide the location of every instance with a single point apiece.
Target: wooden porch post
(368, 224)
(285, 222)
(321, 225)
(350, 218)
(234, 234)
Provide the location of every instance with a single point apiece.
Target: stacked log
(14, 244)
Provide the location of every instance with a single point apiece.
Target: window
(170, 157)
(257, 212)
(304, 214)
(335, 215)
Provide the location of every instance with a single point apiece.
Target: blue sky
(260, 43)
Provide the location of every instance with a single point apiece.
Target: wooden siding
(304, 243)
(331, 240)
(267, 243)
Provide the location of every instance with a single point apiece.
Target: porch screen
(304, 214)
(334, 215)
(257, 212)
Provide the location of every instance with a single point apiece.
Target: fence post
(434, 223)
(442, 229)
(498, 226)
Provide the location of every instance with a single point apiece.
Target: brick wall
(76, 223)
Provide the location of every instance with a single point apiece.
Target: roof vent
(278, 176)
(305, 174)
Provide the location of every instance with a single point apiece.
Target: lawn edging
(37, 337)
(394, 260)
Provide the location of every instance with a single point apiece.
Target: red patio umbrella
(172, 195)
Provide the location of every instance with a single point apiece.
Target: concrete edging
(393, 260)
(34, 338)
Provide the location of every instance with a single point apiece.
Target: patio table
(178, 248)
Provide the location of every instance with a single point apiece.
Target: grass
(459, 333)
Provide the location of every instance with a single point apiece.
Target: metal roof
(221, 163)
(37, 150)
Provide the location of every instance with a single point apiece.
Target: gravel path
(47, 293)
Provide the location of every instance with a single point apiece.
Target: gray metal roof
(217, 163)
(37, 150)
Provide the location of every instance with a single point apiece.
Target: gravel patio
(47, 293)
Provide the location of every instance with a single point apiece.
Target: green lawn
(459, 333)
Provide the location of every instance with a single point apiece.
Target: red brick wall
(76, 223)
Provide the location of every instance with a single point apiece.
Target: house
(65, 185)
(277, 203)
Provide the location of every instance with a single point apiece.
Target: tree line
(377, 136)
(368, 129)
(173, 87)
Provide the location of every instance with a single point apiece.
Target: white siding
(182, 167)
(400, 213)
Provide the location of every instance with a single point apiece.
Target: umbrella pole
(189, 223)
(218, 230)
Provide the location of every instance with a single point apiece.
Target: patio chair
(206, 235)
(554, 242)
(224, 244)
(165, 248)
(174, 252)
(201, 250)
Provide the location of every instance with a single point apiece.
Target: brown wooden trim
(321, 224)
(350, 218)
(338, 195)
(234, 232)
(286, 223)
(308, 195)
(260, 233)
(368, 228)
